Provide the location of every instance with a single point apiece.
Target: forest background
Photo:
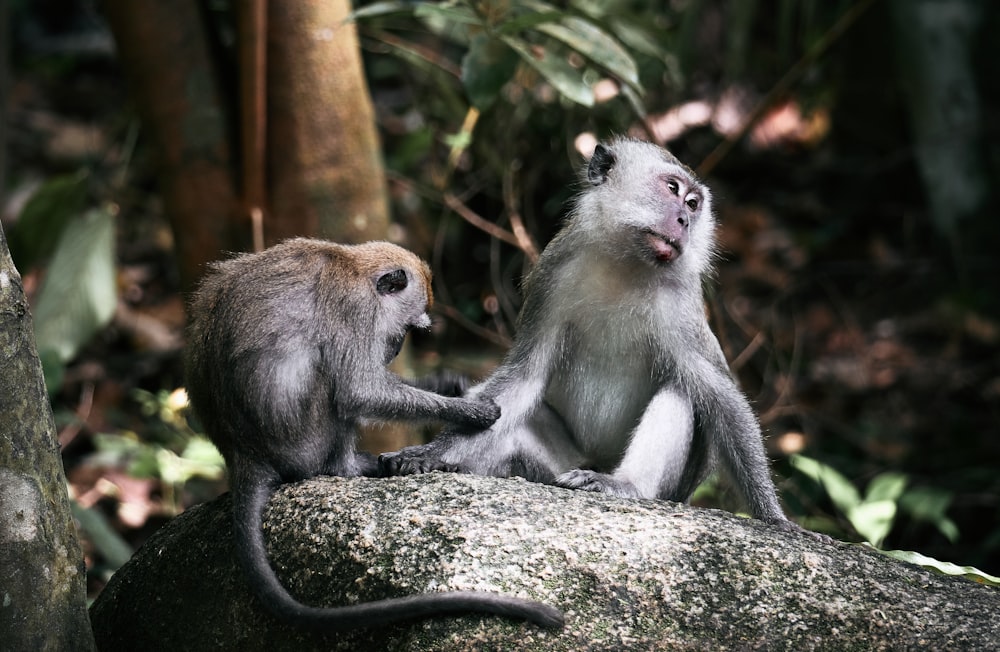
(852, 147)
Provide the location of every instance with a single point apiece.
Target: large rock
(629, 574)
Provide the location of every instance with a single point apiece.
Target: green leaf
(528, 20)
(843, 494)
(873, 520)
(886, 486)
(596, 45)
(930, 505)
(943, 567)
(486, 67)
(111, 545)
(79, 295)
(379, 9)
(447, 11)
(554, 69)
(45, 216)
(202, 451)
(638, 39)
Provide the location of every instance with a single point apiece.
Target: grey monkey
(615, 382)
(286, 353)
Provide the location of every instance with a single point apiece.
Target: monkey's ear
(600, 164)
(392, 282)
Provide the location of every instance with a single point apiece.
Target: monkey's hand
(413, 460)
(474, 416)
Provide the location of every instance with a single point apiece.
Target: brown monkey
(287, 351)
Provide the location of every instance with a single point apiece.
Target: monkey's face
(645, 205)
(403, 298)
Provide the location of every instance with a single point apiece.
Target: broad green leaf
(111, 545)
(596, 45)
(201, 450)
(174, 469)
(843, 494)
(486, 67)
(447, 11)
(43, 218)
(873, 520)
(930, 505)
(638, 39)
(886, 486)
(528, 20)
(79, 296)
(943, 567)
(554, 69)
(379, 9)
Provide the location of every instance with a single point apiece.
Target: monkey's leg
(655, 458)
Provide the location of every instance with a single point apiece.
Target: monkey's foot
(586, 480)
(792, 526)
(412, 461)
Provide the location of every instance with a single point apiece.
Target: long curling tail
(250, 496)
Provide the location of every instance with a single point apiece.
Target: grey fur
(286, 354)
(615, 382)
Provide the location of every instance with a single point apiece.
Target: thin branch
(456, 315)
(473, 218)
(525, 242)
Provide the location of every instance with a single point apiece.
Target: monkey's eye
(673, 186)
(692, 203)
(391, 282)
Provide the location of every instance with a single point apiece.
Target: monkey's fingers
(587, 480)
(412, 462)
(480, 415)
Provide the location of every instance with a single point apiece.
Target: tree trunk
(163, 47)
(43, 585)
(326, 175)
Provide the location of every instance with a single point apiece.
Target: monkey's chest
(601, 390)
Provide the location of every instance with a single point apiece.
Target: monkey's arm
(383, 395)
(508, 447)
(734, 432)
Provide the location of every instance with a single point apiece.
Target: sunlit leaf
(379, 9)
(873, 520)
(201, 450)
(943, 567)
(596, 45)
(447, 11)
(843, 494)
(886, 486)
(555, 69)
(79, 295)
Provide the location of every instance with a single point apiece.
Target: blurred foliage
(873, 514)
(76, 244)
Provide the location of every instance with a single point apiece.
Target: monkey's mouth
(664, 249)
